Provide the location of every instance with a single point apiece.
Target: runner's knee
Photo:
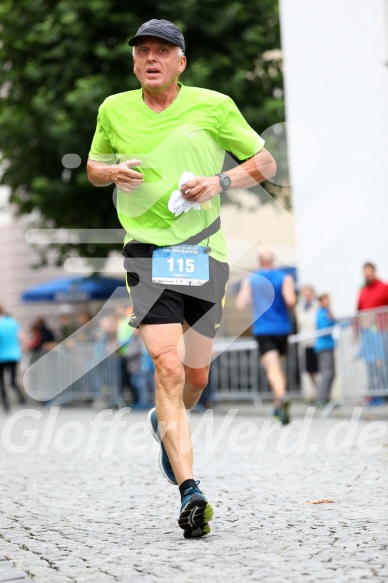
(197, 378)
(169, 366)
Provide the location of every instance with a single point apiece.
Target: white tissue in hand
(177, 203)
(185, 177)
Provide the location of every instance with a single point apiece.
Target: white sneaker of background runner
(177, 203)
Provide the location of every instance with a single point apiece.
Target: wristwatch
(225, 181)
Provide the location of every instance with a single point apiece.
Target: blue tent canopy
(74, 289)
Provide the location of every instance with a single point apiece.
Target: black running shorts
(154, 303)
(275, 342)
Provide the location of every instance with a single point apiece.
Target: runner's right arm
(122, 175)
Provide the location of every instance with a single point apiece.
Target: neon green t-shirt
(192, 134)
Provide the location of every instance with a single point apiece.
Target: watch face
(226, 182)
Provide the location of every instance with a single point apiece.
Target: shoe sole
(194, 518)
(156, 437)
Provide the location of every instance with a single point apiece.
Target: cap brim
(133, 40)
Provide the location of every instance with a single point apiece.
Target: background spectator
(306, 316)
(42, 338)
(374, 292)
(372, 351)
(10, 354)
(324, 347)
(67, 324)
(124, 333)
(141, 370)
(87, 329)
(374, 295)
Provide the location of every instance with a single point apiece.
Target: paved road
(83, 504)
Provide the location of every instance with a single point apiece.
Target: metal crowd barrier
(361, 355)
(101, 382)
(237, 374)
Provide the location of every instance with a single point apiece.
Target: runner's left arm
(256, 169)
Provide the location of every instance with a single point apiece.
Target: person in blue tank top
(271, 326)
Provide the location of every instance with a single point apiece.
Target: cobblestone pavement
(85, 503)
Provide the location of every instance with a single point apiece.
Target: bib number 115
(186, 265)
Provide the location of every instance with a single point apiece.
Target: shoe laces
(191, 488)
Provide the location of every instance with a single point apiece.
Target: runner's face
(157, 64)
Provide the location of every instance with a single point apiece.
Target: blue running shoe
(164, 462)
(196, 513)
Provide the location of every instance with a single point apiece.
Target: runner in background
(271, 327)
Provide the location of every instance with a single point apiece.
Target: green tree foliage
(59, 59)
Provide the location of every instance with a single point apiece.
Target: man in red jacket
(374, 293)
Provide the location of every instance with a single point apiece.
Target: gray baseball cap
(161, 29)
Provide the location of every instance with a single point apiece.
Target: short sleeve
(235, 135)
(101, 149)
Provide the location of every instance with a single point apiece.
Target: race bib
(181, 265)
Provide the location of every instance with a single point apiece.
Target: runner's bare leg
(174, 391)
(161, 341)
(274, 369)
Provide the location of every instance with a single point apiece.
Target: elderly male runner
(145, 142)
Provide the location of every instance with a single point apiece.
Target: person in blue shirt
(272, 293)
(324, 347)
(10, 354)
